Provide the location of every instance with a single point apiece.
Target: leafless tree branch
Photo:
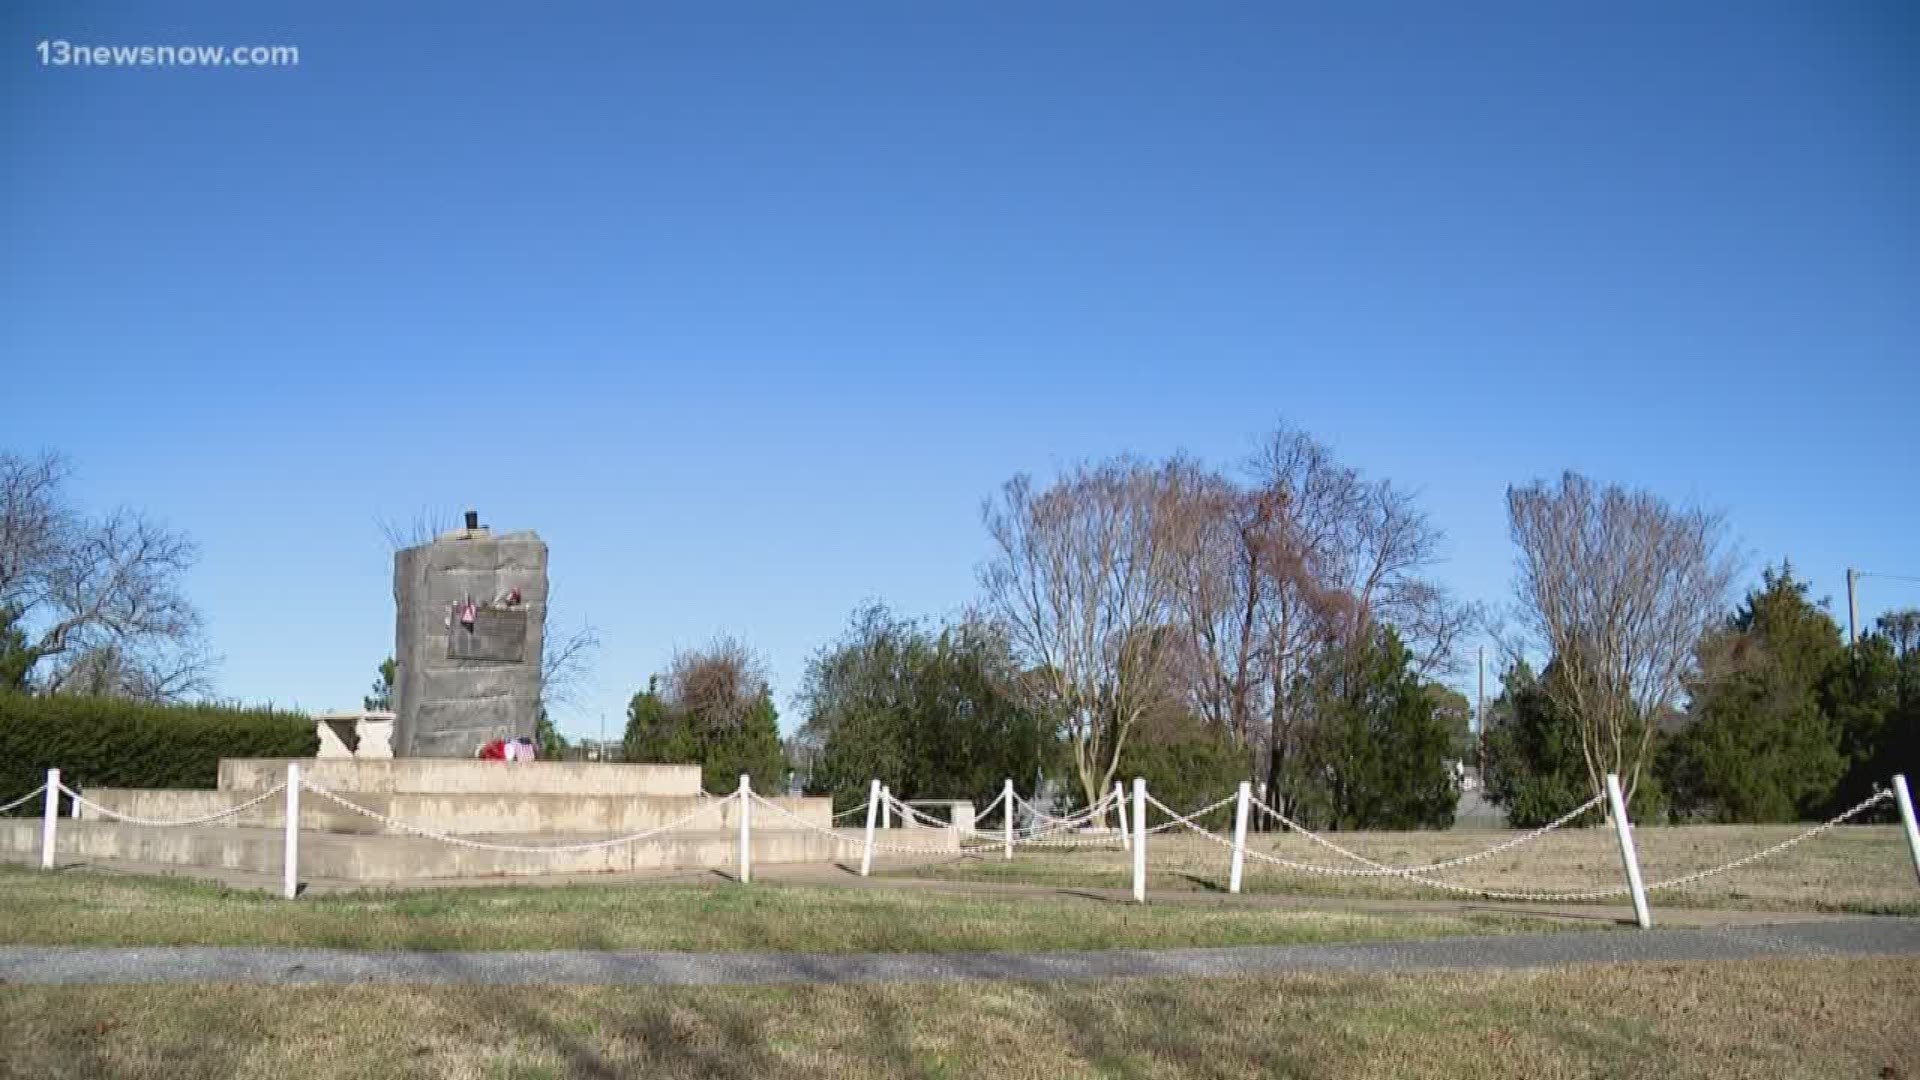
(1618, 588)
(1082, 586)
(99, 597)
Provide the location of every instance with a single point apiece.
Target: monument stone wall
(471, 612)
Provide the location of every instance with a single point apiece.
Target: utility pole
(1480, 716)
(1850, 608)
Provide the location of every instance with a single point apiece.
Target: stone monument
(470, 621)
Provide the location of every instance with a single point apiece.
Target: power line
(1855, 575)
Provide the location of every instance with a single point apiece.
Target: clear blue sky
(746, 307)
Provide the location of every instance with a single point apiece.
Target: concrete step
(392, 858)
(458, 776)
(457, 815)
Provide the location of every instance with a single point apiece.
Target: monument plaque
(497, 634)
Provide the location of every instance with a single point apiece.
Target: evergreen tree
(1377, 758)
(1534, 768)
(932, 713)
(16, 657)
(657, 732)
(552, 744)
(381, 699)
(1762, 743)
(1186, 763)
(1873, 697)
(725, 738)
(752, 747)
(1453, 707)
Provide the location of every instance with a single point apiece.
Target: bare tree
(421, 528)
(1902, 628)
(1081, 584)
(566, 665)
(720, 683)
(1221, 586)
(1618, 587)
(1335, 554)
(1262, 576)
(97, 600)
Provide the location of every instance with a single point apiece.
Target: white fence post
(50, 820)
(1139, 840)
(290, 869)
(873, 809)
(1006, 800)
(1905, 799)
(1627, 855)
(886, 807)
(1120, 807)
(746, 828)
(1239, 837)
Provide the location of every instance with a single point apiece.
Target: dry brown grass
(76, 908)
(1773, 1018)
(1862, 868)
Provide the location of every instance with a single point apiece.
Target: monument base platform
(406, 819)
(453, 815)
(463, 776)
(375, 859)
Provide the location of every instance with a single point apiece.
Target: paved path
(49, 966)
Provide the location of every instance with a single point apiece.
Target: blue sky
(746, 307)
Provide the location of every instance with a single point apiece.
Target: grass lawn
(1773, 1018)
(1863, 869)
(85, 908)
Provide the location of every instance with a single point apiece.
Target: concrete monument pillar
(470, 620)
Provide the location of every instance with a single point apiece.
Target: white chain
(1444, 886)
(849, 840)
(1564, 897)
(1060, 836)
(1047, 823)
(1105, 802)
(1048, 834)
(1060, 832)
(989, 808)
(1682, 882)
(909, 812)
(1189, 819)
(530, 849)
(1383, 870)
(24, 799)
(977, 814)
(1176, 818)
(159, 824)
(995, 842)
(1339, 871)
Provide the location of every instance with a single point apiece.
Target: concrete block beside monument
(364, 734)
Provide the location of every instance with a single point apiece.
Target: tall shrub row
(111, 742)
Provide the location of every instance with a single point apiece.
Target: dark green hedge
(108, 742)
